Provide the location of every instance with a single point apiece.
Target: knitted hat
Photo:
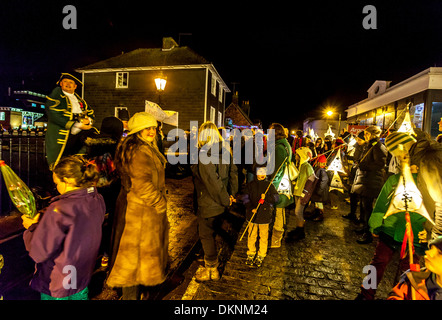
(112, 126)
(140, 121)
(123, 114)
(339, 141)
(398, 142)
(374, 130)
(322, 159)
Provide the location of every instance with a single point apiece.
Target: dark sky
(290, 60)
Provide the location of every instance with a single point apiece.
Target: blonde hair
(208, 134)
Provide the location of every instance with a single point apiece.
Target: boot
(365, 238)
(295, 235)
(276, 238)
(319, 216)
(209, 272)
(351, 216)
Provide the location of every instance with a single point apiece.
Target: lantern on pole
(406, 197)
(336, 166)
(407, 125)
(330, 132)
(19, 192)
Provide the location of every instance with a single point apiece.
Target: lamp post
(160, 83)
(330, 113)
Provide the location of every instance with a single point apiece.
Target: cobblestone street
(326, 265)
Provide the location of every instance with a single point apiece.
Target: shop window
(436, 117)
(417, 115)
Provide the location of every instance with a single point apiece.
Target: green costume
(282, 151)
(60, 121)
(394, 225)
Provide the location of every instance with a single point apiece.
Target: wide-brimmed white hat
(140, 121)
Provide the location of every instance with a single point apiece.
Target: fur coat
(142, 248)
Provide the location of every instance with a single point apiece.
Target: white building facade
(385, 104)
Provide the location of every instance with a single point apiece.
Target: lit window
(220, 119)
(221, 91)
(122, 80)
(213, 85)
(212, 114)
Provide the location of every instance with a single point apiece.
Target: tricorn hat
(70, 77)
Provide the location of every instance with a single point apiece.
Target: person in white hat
(141, 237)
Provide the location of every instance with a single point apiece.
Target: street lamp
(330, 113)
(160, 82)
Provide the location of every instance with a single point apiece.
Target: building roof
(166, 58)
(238, 116)
(430, 78)
(153, 57)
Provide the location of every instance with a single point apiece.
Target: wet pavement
(326, 265)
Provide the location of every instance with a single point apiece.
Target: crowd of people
(120, 180)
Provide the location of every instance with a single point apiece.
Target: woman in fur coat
(141, 233)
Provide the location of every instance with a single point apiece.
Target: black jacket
(321, 193)
(370, 176)
(252, 194)
(214, 182)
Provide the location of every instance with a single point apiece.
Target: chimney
(168, 44)
(235, 98)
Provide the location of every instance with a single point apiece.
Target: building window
(212, 114)
(436, 117)
(221, 91)
(2, 116)
(220, 119)
(122, 80)
(213, 85)
(417, 115)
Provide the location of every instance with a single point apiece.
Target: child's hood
(304, 153)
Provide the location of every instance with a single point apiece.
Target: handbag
(309, 188)
(293, 172)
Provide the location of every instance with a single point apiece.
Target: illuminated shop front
(14, 118)
(385, 103)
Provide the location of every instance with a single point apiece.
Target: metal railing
(25, 153)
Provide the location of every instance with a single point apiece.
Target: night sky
(289, 61)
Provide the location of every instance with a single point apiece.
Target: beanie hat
(374, 130)
(397, 142)
(123, 114)
(339, 141)
(361, 135)
(140, 121)
(112, 126)
(322, 159)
